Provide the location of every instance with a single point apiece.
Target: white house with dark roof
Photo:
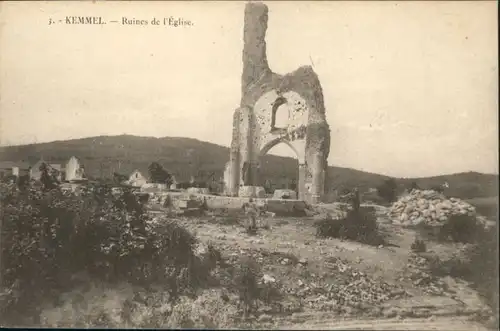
(9, 168)
(74, 170)
(137, 179)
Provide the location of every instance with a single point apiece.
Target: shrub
(356, 225)
(49, 235)
(457, 229)
(266, 226)
(483, 257)
(328, 227)
(477, 263)
(418, 246)
(413, 186)
(246, 276)
(460, 228)
(249, 285)
(387, 190)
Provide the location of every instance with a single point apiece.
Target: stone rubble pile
(417, 269)
(429, 208)
(352, 291)
(158, 198)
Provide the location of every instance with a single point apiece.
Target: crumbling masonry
(264, 94)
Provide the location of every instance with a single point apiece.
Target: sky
(410, 88)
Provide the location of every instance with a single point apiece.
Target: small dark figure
(251, 211)
(353, 198)
(355, 201)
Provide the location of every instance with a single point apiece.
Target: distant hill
(184, 157)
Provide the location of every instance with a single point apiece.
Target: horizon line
(227, 146)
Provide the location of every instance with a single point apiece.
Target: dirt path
(296, 237)
(442, 323)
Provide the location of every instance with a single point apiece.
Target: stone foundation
(251, 192)
(184, 201)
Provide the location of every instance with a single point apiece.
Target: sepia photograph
(328, 165)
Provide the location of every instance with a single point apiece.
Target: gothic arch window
(279, 115)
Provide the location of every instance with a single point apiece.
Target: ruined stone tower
(263, 95)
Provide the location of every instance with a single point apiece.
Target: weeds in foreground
(54, 234)
(477, 263)
(112, 240)
(251, 288)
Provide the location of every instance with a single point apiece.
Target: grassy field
(486, 206)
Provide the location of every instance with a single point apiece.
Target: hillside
(184, 157)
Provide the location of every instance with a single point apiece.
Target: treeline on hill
(185, 157)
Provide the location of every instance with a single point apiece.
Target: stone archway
(264, 93)
(299, 155)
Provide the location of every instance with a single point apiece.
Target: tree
(47, 177)
(119, 178)
(23, 181)
(387, 190)
(158, 174)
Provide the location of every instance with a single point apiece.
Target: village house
(137, 179)
(74, 170)
(173, 186)
(18, 169)
(56, 168)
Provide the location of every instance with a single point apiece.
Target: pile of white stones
(429, 208)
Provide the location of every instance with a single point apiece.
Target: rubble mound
(340, 287)
(428, 208)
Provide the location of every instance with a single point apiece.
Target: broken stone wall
(306, 131)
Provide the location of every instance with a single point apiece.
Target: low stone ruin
(251, 192)
(198, 190)
(285, 194)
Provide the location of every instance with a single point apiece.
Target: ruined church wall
(260, 87)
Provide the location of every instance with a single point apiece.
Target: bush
(123, 306)
(460, 228)
(483, 257)
(251, 290)
(251, 230)
(418, 246)
(457, 228)
(49, 235)
(387, 190)
(245, 281)
(477, 263)
(359, 225)
(437, 188)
